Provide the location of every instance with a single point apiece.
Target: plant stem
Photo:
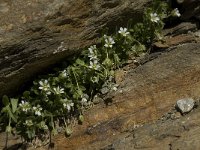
(75, 79)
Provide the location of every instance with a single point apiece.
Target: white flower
(58, 90)
(44, 85)
(83, 100)
(92, 48)
(37, 110)
(92, 52)
(176, 12)
(109, 41)
(154, 17)
(29, 122)
(105, 36)
(123, 32)
(114, 88)
(64, 74)
(94, 65)
(25, 106)
(68, 104)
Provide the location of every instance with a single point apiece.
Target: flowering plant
(55, 100)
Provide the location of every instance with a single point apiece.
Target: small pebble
(185, 105)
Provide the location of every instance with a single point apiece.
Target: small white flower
(154, 17)
(123, 32)
(68, 104)
(109, 42)
(114, 88)
(92, 48)
(37, 110)
(176, 12)
(105, 36)
(83, 100)
(44, 85)
(64, 74)
(92, 52)
(58, 90)
(25, 106)
(94, 65)
(29, 122)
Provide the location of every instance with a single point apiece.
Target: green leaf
(5, 100)
(11, 114)
(54, 132)
(80, 62)
(26, 94)
(4, 110)
(81, 118)
(8, 129)
(68, 131)
(31, 134)
(14, 103)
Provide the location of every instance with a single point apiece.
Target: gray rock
(185, 105)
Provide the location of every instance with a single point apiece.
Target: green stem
(75, 79)
(107, 56)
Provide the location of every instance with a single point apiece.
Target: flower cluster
(58, 97)
(94, 64)
(92, 52)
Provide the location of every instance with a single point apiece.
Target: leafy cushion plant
(54, 101)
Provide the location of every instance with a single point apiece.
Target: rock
(180, 134)
(149, 91)
(190, 9)
(35, 35)
(169, 41)
(185, 105)
(182, 28)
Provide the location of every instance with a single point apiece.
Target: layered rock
(146, 94)
(36, 34)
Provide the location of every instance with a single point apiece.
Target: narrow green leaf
(11, 114)
(80, 62)
(14, 103)
(5, 100)
(81, 118)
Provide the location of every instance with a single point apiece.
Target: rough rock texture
(34, 34)
(145, 95)
(178, 134)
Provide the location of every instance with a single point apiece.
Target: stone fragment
(185, 105)
(182, 28)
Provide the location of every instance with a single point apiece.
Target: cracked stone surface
(146, 94)
(36, 34)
